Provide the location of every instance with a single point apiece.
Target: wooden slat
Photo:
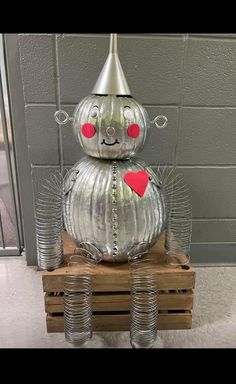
(184, 300)
(109, 283)
(115, 276)
(121, 322)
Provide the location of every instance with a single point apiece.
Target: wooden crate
(111, 293)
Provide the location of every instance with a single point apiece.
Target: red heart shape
(138, 181)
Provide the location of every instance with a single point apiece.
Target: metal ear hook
(161, 119)
(61, 113)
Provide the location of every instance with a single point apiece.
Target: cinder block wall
(189, 78)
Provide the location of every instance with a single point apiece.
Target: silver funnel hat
(112, 80)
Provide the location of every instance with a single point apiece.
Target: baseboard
(213, 254)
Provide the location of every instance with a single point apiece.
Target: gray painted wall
(189, 78)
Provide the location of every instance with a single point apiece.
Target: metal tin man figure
(115, 207)
(113, 202)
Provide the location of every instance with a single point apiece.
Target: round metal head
(110, 127)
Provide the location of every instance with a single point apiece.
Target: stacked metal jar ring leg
(144, 304)
(49, 222)
(78, 299)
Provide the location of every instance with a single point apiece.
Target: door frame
(16, 249)
(23, 166)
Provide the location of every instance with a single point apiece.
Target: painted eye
(133, 131)
(88, 130)
(128, 113)
(94, 112)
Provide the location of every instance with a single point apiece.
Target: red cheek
(133, 130)
(88, 130)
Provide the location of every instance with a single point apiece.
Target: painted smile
(116, 142)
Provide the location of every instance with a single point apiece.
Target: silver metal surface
(160, 121)
(110, 112)
(100, 208)
(112, 80)
(179, 214)
(77, 309)
(78, 297)
(144, 302)
(58, 116)
(49, 222)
